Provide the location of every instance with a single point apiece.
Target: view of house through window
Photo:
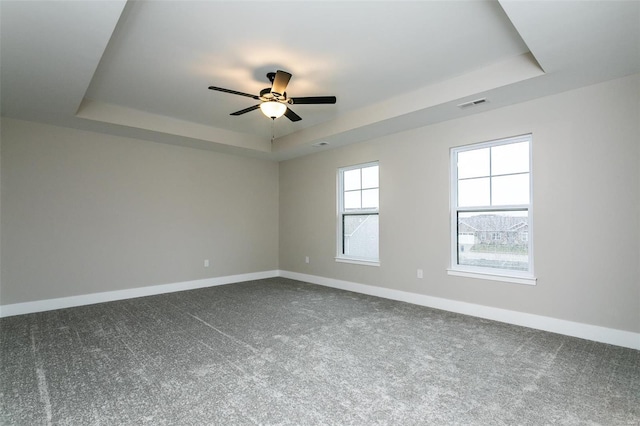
(491, 207)
(496, 240)
(358, 204)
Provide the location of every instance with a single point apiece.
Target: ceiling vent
(472, 103)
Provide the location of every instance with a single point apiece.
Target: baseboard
(109, 296)
(584, 331)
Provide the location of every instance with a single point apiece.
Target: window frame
(341, 213)
(486, 272)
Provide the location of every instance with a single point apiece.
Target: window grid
(510, 240)
(357, 224)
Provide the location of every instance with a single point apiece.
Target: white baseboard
(584, 331)
(109, 296)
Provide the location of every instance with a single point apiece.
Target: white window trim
(493, 277)
(340, 257)
(357, 261)
(494, 274)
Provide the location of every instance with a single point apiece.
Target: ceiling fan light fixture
(273, 109)
(274, 99)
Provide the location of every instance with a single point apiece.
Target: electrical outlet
(420, 274)
(206, 263)
(306, 259)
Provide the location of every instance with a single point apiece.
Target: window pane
(473, 192)
(352, 200)
(370, 198)
(511, 158)
(510, 190)
(494, 240)
(474, 163)
(360, 238)
(352, 179)
(370, 177)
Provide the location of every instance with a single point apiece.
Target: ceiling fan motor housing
(267, 95)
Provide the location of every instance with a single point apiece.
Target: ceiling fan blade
(292, 115)
(233, 92)
(314, 100)
(246, 110)
(280, 82)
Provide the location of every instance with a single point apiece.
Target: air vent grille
(472, 103)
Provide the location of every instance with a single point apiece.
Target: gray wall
(84, 212)
(586, 198)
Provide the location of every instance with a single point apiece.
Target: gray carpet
(283, 352)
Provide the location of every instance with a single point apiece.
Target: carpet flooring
(283, 352)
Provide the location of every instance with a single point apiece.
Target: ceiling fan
(274, 99)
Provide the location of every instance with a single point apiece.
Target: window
(491, 215)
(358, 194)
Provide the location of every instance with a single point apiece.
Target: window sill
(358, 261)
(493, 277)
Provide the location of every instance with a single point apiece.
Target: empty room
(319, 212)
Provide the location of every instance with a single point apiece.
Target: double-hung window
(358, 204)
(491, 214)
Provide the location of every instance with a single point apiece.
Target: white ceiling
(142, 68)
